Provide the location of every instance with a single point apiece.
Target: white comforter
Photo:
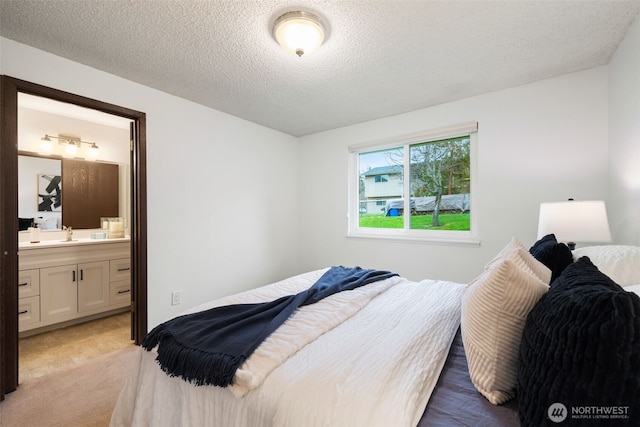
(368, 357)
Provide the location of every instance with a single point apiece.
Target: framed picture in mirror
(49, 193)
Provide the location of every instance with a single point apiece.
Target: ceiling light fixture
(299, 32)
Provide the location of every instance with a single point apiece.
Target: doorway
(9, 90)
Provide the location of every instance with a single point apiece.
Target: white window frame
(406, 234)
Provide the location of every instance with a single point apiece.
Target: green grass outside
(460, 222)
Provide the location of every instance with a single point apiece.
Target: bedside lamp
(575, 221)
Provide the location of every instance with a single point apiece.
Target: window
(433, 203)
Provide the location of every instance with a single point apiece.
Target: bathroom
(74, 251)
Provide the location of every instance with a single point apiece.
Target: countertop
(43, 244)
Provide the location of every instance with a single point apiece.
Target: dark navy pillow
(580, 352)
(556, 256)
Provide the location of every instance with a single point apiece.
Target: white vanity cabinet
(70, 289)
(73, 280)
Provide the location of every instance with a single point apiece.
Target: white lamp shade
(575, 221)
(299, 33)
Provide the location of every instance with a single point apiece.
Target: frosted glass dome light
(299, 32)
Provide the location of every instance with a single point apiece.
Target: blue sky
(374, 159)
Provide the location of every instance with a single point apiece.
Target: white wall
(216, 226)
(545, 141)
(624, 139)
(217, 186)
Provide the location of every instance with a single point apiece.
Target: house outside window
(434, 203)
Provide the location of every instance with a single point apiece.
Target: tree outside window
(437, 196)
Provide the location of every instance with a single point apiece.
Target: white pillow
(50, 223)
(620, 262)
(523, 258)
(495, 307)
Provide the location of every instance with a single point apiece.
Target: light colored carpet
(82, 396)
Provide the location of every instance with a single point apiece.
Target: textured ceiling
(381, 57)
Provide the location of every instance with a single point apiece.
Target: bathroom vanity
(64, 282)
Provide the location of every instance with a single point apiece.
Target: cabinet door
(58, 293)
(93, 286)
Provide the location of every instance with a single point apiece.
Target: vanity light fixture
(71, 145)
(299, 32)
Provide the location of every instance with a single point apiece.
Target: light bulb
(94, 151)
(71, 149)
(46, 147)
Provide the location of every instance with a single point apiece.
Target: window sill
(403, 237)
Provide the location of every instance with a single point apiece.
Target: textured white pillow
(621, 263)
(494, 308)
(523, 258)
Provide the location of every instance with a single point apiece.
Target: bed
(392, 353)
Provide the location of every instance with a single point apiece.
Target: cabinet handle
(124, 269)
(124, 292)
(23, 284)
(73, 276)
(81, 274)
(23, 312)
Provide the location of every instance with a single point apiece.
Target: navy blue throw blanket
(206, 348)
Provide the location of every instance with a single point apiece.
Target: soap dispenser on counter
(34, 234)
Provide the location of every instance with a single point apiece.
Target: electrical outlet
(175, 297)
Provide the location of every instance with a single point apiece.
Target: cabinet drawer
(120, 293)
(120, 269)
(28, 313)
(28, 283)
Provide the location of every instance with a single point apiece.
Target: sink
(72, 240)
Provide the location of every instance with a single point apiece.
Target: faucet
(69, 232)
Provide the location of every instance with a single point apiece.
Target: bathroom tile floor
(71, 346)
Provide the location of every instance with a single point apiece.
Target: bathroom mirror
(55, 192)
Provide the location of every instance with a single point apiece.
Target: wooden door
(89, 192)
